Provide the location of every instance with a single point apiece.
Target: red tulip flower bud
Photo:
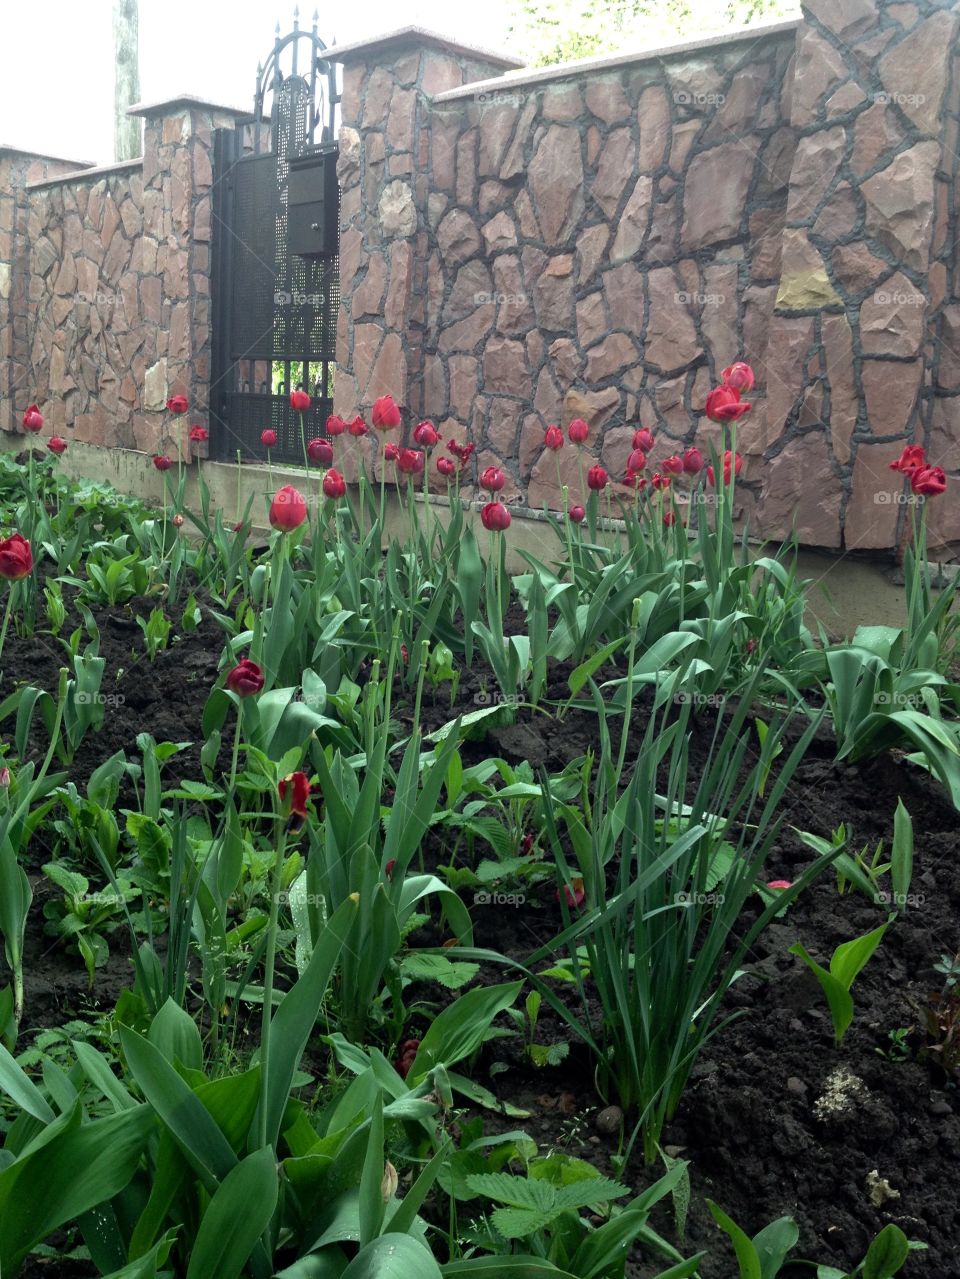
(268, 438)
(178, 521)
(335, 425)
(446, 466)
(391, 452)
(178, 404)
(643, 439)
(724, 405)
(578, 431)
(357, 426)
(426, 435)
(199, 434)
(297, 786)
(320, 451)
(162, 462)
(597, 479)
(928, 481)
(495, 517)
(334, 485)
(740, 376)
(637, 460)
(386, 415)
(693, 461)
(299, 401)
(16, 558)
(492, 479)
(245, 679)
(410, 461)
(673, 465)
(577, 514)
(553, 438)
(288, 509)
(32, 419)
(57, 445)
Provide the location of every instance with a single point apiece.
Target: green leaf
(747, 1257)
(393, 1257)
(886, 1254)
(174, 1032)
(838, 997)
(460, 1029)
(145, 1267)
(21, 1089)
(901, 856)
(236, 1217)
(773, 1243)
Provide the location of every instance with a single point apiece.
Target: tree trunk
(127, 129)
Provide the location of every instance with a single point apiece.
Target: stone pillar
(392, 149)
(863, 273)
(17, 169)
(174, 263)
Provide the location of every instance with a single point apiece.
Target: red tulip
(32, 420)
(178, 404)
(407, 1056)
(737, 466)
(723, 405)
(577, 514)
(426, 435)
(574, 895)
(288, 509)
(391, 452)
(320, 451)
(635, 480)
(357, 426)
(162, 462)
(268, 438)
(335, 425)
(929, 481)
(385, 415)
(334, 485)
(199, 434)
(911, 459)
(637, 460)
(299, 401)
(495, 517)
(492, 479)
(410, 461)
(462, 452)
(778, 885)
(178, 521)
(740, 376)
(669, 519)
(297, 786)
(597, 479)
(659, 481)
(245, 679)
(57, 445)
(446, 467)
(693, 461)
(553, 438)
(16, 558)
(643, 439)
(673, 465)
(578, 431)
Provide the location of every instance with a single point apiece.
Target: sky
(62, 104)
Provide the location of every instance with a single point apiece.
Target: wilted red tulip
(299, 401)
(407, 1056)
(492, 479)
(16, 557)
(320, 451)
(288, 509)
(162, 462)
(693, 461)
(57, 445)
(462, 452)
(929, 481)
(597, 479)
(446, 466)
(334, 485)
(199, 435)
(637, 460)
(335, 425)
(178, 521)
(635, 480)
(495, 517)
(426, 435)
(357, 426)
(297, 786)
(578, 431)
(410, 461)
(778, 885)
(385, 414)
(178, 404)
(643, 439)
(673, 465)
(574, 894)
(553, 438)
(245, 679)
(724, 405)
(32, 419)
(911, 459)
(659, 481)
(577, 514)
(268, 438)
(740, 376)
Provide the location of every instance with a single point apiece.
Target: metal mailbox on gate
(313, 202)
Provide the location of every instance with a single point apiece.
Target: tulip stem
(6, 616)
(270, 963)
(236, 750)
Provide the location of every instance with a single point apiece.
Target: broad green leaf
(460, 1029)
(235, 1218)
(393, 1257)
(747, 1257)
(886, 1254)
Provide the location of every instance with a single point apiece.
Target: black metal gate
(275, 272)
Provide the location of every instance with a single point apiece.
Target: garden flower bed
(541, 876)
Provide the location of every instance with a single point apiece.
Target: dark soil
(748, 1122)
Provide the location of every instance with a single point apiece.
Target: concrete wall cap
(403, 37)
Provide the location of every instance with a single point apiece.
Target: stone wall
(601, 240)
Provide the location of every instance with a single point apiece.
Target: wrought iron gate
(275, 273)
